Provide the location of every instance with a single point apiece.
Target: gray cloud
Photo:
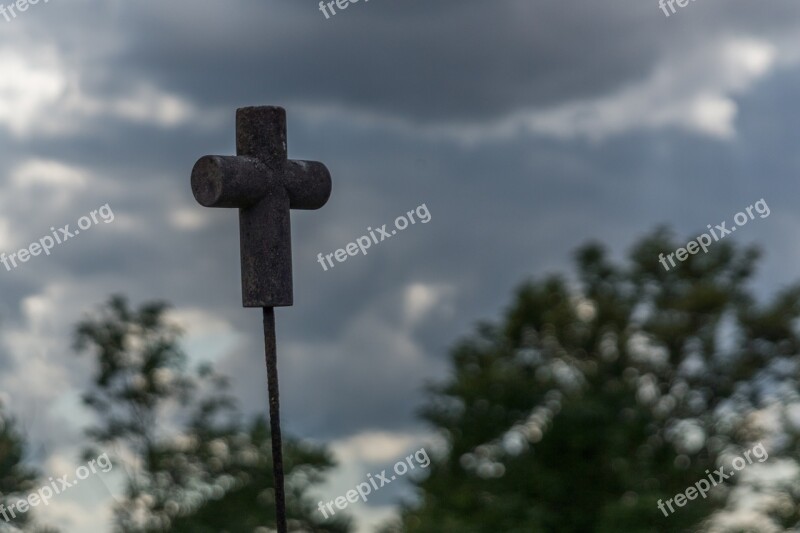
(129, 95)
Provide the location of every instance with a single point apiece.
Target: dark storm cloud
(452, 60)
(353, 355)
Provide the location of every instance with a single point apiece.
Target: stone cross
(264, 185)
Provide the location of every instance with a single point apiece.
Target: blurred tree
(194, 465)
(17, 480)
(596, 398)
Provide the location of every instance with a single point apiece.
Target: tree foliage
(17, 478)
(599, 395)
(194, 463)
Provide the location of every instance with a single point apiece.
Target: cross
(264, 185)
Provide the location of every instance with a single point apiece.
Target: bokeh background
(527, 127)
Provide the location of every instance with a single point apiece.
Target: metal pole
(275, 417)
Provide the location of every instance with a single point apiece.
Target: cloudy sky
(527, 127)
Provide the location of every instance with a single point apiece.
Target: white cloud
(7, 239)
(30, 83)
(207, 336)
(145, 104)
(51, 186)
(49, 173)
(422, 299)
(360, 454)
(694, 94)
(188, 218)
(36, 346)
(373, 447)
(39, 94)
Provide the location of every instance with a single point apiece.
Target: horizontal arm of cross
(243, 181)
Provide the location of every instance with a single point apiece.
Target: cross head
(264, 185)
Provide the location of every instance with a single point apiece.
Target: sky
(525, 128)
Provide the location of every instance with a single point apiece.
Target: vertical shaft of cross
(275, 417)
